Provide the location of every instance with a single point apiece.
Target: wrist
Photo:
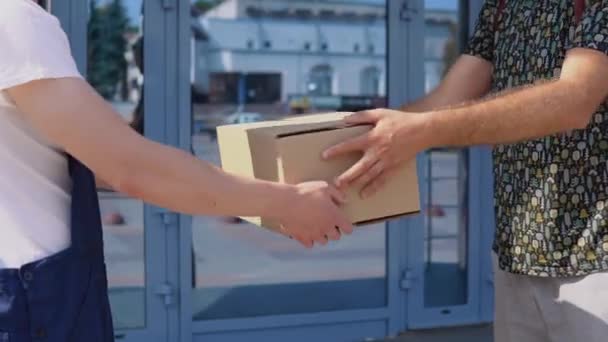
(423, 133)
(278, 197)
(437, 134)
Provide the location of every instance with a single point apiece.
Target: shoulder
(23, 22)
(17, 16)
(9, 9)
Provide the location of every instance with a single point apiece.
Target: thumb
(363, 117)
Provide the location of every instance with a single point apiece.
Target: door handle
(168, 4)
(406, 11)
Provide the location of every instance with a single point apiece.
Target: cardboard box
(289, 151)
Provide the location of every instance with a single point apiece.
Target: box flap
(291, 124)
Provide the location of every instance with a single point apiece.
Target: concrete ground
(482, 333)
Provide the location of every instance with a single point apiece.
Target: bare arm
(553, 107)
(470, 78)
(70, 114)
(556, 106)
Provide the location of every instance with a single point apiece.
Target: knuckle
(373, 137)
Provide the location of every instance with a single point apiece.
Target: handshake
(334, 170)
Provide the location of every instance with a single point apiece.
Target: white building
(266, 51)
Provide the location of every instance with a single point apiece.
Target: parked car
(241, 118)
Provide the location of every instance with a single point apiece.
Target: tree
(107, 65)
(206, 5)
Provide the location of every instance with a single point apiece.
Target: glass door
(268, 60)
(444, 248)
(110, 42)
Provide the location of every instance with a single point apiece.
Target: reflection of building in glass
(115, 56)
(320, 80)
(313, 48)
(371, 81)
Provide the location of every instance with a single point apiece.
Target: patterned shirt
(551, 194)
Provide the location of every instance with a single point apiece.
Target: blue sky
(134, 6)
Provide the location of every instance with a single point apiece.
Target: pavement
(478, 333)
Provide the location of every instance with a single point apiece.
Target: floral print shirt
(551, 194)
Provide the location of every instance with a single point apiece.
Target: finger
(376, 184)
(304, 241)
(355, 144)
(338, 196)
(322, 240)
(371, 174)
(363, 117)
(333, 234)
(307, 243)
(357, 170)
(284, 231)
(343, 224)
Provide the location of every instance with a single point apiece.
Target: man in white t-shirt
(48, 111)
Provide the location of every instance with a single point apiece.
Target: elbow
(580, 120)
(128, 183)
(583, 105)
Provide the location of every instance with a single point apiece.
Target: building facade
(270, 51)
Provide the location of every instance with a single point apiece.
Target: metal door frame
(159, 292)
(323, 326)
(479, 308)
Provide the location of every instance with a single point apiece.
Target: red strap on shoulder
(579, 9)
(499, 10)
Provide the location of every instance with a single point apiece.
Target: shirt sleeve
(481, 43)
(592, 31)
(33, 46)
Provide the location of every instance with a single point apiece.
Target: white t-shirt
(34, 180)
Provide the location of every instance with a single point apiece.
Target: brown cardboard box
(289, 151)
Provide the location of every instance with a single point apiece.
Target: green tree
(107, 65)
(206, 5)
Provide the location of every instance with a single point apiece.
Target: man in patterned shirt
(546, 62)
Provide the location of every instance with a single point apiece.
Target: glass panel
(114, 70)
(446, 180)
(249, 65)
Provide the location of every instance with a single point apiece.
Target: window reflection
(115, 70)
(263, 60)
(371, 81)
(446, 181)
(320, 80)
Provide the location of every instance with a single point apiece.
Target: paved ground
(464, 334)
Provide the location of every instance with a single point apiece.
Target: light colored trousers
(533, 309)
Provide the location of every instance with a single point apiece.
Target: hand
(312, 214)
(396, 138)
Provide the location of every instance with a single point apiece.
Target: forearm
(470, 78)
(174, 179)
(89, 129)
(102, 185)
(434, 100)
(529, 113)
